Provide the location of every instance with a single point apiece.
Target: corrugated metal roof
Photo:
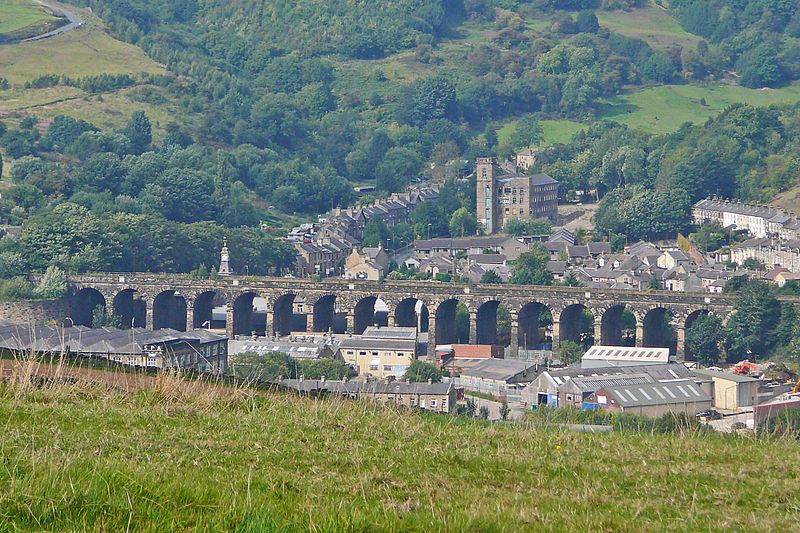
(645, 394)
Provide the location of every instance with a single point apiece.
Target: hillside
(195, 120)
(178, 456)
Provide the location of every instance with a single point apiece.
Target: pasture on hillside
(178, 455)
(664, 108)
(553, 131)
(18, 14)
(649, 23)
(86, 51)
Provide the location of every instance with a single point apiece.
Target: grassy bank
(664, 108)
(175, 456)
(649, 23)
(86, 51)
(18, 14)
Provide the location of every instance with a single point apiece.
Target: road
(494, 408)
(725, 424)
(74, 22)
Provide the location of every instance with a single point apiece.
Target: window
(387, 368)
(433, 403)
(373, 367)
(362, 353)
(400, 354)
(374, 353)
(351, 352)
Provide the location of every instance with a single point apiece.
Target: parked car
(710, 414)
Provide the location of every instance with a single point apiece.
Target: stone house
(368, 264)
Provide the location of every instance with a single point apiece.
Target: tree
(470, 408)
(570, 352)
(139, 132)
(267, 367)
(483, 412)
(420, 372)
(571, 280)
(752, 263)
(462, 223)
(505, 410)
(704, 339)
(188, 195)
(750, 332)
(586, 21)
(427, 99)
(429, 220)
(102, 318)
(286, 198)
(54, 284)
(491, 138)
(520, 226)
(659, 67)
(491, 277)
(324, 368)
(530, 268)
(11, 264)
(527, 132)
(653, 285)
(709, 237)
(375, 233)
(398, 168)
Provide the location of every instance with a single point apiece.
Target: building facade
(759, 220)
(501, 196)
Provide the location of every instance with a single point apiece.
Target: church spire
(224, 263)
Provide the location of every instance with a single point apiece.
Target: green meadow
(18, 14)
(664, 108)
(177, 456)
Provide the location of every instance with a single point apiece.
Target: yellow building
(368, 264)
(378, 358)
(730, 391)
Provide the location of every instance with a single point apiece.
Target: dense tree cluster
(757, 38)
(761, 326)
(647, 183)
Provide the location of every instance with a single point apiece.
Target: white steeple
(224, 263)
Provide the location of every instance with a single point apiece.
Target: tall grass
(168, 453)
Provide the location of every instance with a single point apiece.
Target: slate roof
(593, 383)
(501, 369)
(368, 387)
(357, 343)
(80, 339)
(728, 206)
(374, 332)
(667, 372)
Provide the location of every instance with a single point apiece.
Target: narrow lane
(74, 22)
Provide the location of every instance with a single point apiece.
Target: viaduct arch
(532, 316)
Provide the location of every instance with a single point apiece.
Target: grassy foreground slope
(160, 459)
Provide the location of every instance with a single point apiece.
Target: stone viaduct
(182, 302)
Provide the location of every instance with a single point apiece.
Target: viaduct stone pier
(531, 313)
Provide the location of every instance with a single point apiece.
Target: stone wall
(35, 311)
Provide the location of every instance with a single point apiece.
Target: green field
(85, 51)
(178, 457)
(107, 111)
(664, 108)
(555, 131)
(18, 14)
(652, 24)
